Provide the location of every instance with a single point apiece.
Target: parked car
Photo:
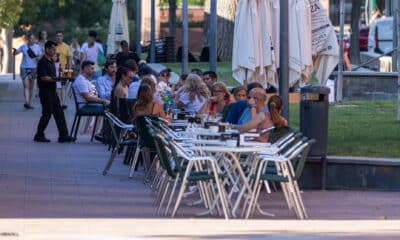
(380, 37)
(363, 39)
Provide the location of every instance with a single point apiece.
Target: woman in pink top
(220, 97)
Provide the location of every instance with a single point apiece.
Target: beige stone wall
(146, 20)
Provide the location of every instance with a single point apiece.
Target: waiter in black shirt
(46, 79)
(126, 54)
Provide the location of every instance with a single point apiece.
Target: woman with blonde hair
(194, 95)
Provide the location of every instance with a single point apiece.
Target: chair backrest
(278, 133)
(145, 137)
(125, 106)
(116, 126)
(164, 153)
(75, 100)
(299, 158)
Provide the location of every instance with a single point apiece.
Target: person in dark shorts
(46, 79)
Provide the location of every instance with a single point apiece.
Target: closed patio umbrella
(252, 55)
(300, 53)
(325, 46)
(243, 58)
(312, 42)
(118, 26)
(269, 16)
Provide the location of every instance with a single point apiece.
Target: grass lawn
(356, 128)
(224, 70)
(360, 128)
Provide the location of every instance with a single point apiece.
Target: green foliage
(179, 2)
(360, 128)
(224, 70)
(9, 12)
(71, 16)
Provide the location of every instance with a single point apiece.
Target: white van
(380, 37)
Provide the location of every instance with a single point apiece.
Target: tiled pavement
(56, 191)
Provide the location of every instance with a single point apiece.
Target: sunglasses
(165, 75)
(249, 97)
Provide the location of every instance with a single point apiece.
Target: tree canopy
(10, 11)
(71, 16)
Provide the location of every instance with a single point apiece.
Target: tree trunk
(226, 10)
(206, 24)
(7, 36)
(355, 32)
(172, 18)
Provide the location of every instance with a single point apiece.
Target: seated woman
(239, 94)
(220, 98)
(145, 104)
(150, 81)
(194, 95)
(120, 90)
(264, 120)
(123, 79)
(177, 87)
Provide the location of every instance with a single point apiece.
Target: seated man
(106, 82)
(264, 120)
(239, 107)
(144, 71)
(84, 92)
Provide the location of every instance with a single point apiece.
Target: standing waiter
(46, 79)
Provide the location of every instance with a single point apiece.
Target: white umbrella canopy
(118, 26)
(312, 42)
(243, 59)
(252, 43)
(300, 53)
(269, 16)
(325, 48)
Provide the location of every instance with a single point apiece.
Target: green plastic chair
(291, 167)
(119, 131)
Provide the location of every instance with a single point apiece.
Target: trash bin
(314, 117)
(314, 106)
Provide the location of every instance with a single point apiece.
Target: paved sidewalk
(56, 191)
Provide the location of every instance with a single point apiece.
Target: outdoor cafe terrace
(58, 181)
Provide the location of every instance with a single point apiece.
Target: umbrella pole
(284, 57)
(153, 32)
(245, 79)
(138, 27)
(185, 56)
(339, 84)
(213, 36)
(397, 27)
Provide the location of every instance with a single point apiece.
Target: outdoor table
(233, 153)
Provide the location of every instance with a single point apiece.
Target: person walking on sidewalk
(31, 53)
(65, 57)
(49, 100)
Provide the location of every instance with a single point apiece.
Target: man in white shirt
(106, 82)
(90, 51)
(88, 101)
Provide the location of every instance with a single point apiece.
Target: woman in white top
(31, 54)
(194, 95)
